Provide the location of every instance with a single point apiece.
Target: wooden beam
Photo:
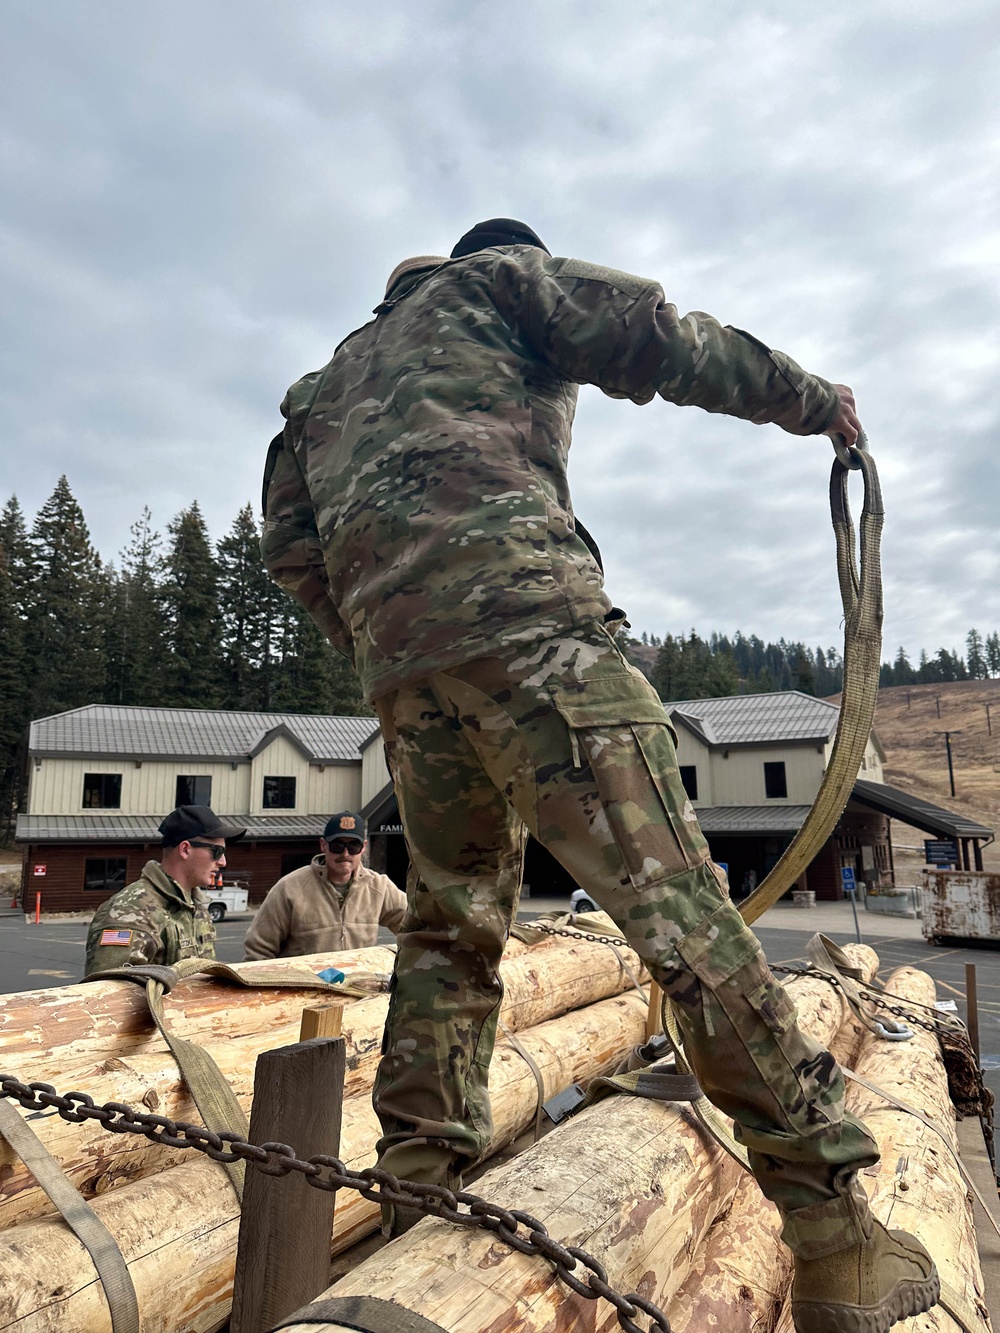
(323, 1021)
(283, 1253)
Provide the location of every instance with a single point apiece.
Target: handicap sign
(847, 879)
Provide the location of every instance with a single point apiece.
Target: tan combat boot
(865, 1288)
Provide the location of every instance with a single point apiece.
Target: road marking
(46, 972)
(954, 989)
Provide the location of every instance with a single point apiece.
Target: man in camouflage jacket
(417, 505)
(162, 917)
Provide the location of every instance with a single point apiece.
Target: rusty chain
(330, 1173)
(880, 1000)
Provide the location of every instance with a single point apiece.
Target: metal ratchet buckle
(848, 455)
(904, 1034)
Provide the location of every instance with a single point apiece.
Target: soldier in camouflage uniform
(162, 916)
(417, 505)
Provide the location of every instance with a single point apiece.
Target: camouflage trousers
(566, 739)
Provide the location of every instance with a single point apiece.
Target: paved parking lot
(51, 954)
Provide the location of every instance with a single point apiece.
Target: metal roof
(921, 814)
(144, 828)
(751, 819)
(757, 719)
(193, 733)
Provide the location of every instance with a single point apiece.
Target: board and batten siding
(333, 787)
(149, 786)
(374, 773)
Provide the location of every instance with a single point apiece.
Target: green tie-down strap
(214, 1098)
(659, 1083)
(832, 963)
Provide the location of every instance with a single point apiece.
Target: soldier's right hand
(846, 424)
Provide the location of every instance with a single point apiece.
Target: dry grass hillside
(912, 735)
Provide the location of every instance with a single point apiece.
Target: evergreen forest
(181, 622)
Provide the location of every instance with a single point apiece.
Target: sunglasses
(339, 845)
(217, 849)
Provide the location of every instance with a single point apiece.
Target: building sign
(38, 871)
(390, 828)
(940, 852)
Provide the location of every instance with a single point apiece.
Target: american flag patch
(116, 937)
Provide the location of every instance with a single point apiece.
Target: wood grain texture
(634, 1182)
(184, 1221)
(124, 1058)
(283, 1253)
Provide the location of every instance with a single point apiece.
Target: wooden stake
(326, 1021)
(653, 1024)
(972, 1008)
(283, 1254)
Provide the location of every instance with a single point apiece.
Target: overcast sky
(201, 199)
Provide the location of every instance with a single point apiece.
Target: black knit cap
(497, 231)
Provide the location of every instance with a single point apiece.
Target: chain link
(519, 1230)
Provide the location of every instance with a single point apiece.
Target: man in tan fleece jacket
(332, 903)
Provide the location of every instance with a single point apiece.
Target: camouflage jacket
(150, 921)
(417, 501)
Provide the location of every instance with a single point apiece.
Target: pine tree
(975, 659)
(136, 648)
(13, 700)
(68, 611)
(16, 545)
(246, 597)
(190, 600)
(312, 677)
(993, 654)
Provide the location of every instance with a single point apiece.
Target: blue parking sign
(847, 879)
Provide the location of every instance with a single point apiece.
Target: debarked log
(740, 1275)
(917, 1185)
(178, 1229)
(539, 983)
(636, 1183)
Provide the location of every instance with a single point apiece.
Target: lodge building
(101, 778)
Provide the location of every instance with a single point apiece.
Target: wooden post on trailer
(283, 1253)
(653, 1024)
(972, 1008)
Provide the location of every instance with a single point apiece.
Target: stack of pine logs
(637, 1183)
(175, 1216)
(671, 1216)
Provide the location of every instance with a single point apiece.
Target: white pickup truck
(229, 898)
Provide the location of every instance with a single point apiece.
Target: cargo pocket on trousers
(618, 729)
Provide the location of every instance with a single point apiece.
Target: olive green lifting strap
(366, 1314)
(861, 595)
(214, 1098)
(112, 1270)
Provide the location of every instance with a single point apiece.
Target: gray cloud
(200, 205)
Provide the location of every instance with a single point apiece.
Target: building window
(279, 793)
(689, 776)
(775, 786)
(193, 791)
(105, 874)
(102, 791)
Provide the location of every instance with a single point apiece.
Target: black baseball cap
(345, 825)
(196, 821)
